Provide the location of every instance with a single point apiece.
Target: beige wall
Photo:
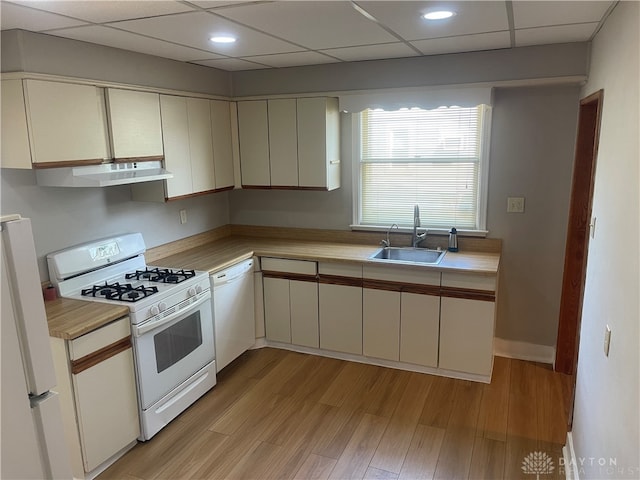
(531, 156)
(40, 53)
(532, 145)
(66, 216)
(606, 420)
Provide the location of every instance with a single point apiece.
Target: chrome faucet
(416, 238)
(387, 243)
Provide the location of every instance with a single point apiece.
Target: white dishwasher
(233, 313)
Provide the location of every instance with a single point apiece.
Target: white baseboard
(570, 463)
(524, 351)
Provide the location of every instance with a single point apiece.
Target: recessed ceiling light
(223, 39)
(438, 15)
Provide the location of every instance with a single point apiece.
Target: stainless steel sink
(408, 255)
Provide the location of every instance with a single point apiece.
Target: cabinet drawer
(404, 276)
(100, 338)
(471, 281)
(340, 269)
(302, 267)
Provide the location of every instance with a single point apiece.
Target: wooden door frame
(577, 244)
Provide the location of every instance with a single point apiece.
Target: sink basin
(408, 255)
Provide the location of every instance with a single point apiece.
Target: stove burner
(122, 292)
(161, 275)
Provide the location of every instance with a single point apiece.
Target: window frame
(483, 180)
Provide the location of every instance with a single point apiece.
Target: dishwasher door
(233, 312)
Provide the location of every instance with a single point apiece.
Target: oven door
(170, 350)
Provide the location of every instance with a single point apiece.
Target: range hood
(105, 175)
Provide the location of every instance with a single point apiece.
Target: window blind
(426, 157)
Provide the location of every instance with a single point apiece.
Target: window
(433, 158)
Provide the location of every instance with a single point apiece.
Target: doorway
(579, 228)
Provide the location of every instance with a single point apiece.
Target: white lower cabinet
(290, 301)
(467, 322)
(419, 329)
(97, 387)
(340, 307)
(277, 311)
(381, 324)
(466, 335)
(303, 300)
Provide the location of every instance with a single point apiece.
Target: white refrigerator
(32, 440)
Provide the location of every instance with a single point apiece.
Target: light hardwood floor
(277, 414)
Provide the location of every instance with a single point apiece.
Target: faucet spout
(416, 238)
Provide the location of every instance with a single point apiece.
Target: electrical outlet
(183, 217)
(607, 340)
(515, 205)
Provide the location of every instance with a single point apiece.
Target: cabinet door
(175, 135)
(107, 408)
(466, 335)
(318, 142)
(304, 313)
(277, 314)
(222, 148)
(200, 144)
(15, 138)
(419, 329)
(381, 324)
(283, 142)
(254, 143)
(340, 309)
(67, 122)
(134, 119)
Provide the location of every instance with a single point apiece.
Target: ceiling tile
(130, 41)
(372, 52)
(464, 43)
(231, 64)
(25, 18)
(535, 14)
(100, 11)
(195, 28)
(315, 25)
(217, 4)
(579, 32)
(405, 18)
(292, 59)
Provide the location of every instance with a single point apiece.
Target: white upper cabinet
(196, 133)
(319, 143)
(253, 126)
(222, 145)
(177, 156)
(66, 122)
(283, 142)
(202, 171)
(290, 143)
(15, 138)
(134, 122)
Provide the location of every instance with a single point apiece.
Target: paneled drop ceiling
(291, 33)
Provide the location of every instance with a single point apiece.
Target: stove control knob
(154, 311)
(191, 292)
(162, 306)
(198, 289)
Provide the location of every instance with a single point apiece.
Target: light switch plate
(183, 217)
(515, 205)
(607, 340)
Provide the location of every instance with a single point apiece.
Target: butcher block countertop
(218, 249)
(223, 253)
(70, 319)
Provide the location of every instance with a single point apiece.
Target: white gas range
(171, 320)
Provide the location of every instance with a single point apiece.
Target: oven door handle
(139, 330)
